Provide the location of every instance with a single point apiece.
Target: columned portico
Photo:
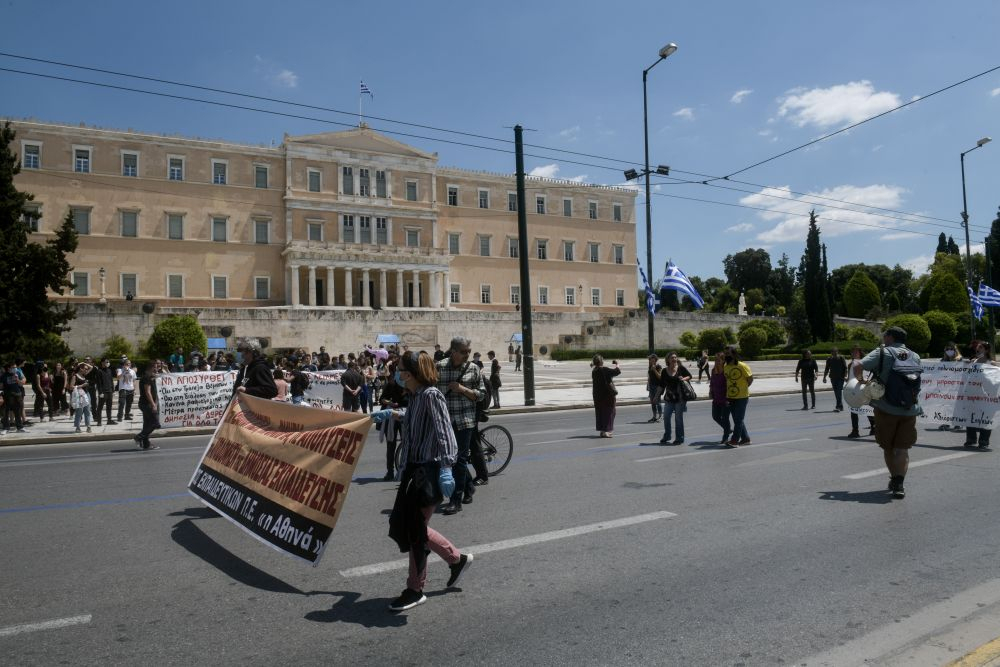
(399, 288)
(434, 287)
(311, 286)
(415, 299)
(383, 299)
(330, 292)
(365, 292)
(293, 277)
(447, 290)
(348, 288)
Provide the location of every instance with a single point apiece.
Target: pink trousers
(437, 543)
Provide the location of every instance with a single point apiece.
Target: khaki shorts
(895, 431)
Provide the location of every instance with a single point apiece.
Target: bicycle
(496, 442)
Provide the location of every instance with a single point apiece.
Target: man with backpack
(463, 387)
(896, 369)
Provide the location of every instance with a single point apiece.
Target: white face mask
(949, 353)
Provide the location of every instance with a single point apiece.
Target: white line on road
(917, 464)
(719, 449)
(44, 625)
(100, 456)
(516, 542)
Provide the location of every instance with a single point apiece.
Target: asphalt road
(785, 552)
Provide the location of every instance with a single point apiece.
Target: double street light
(632, 174)
(965, 223)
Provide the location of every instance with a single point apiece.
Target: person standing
(80, 395)
(836, 368)
(126, 389)
(431, 449)
(149, 405)
(297, 386)
(510, 352)
(495, 381)
(105, 390)
(282, 384)
(856, 361)
(672, 378)
(177, 361)
(394, 398)
(351, 381)
(654, 389)
(605, 394)
(703, 365)
(461, 383)
(13, 399)
(41, 385)
(59, 384)
(808, 370)
(438, 353)
(517, 359)
(717, 392)
(951, 353)
(895, 425)
(738, 381)
(254, 376)
(983, 355)
(93, 382)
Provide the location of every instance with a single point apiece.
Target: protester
(738, 381)
(126, 389)
(13, 398)
(462, 385)
(393, 397)
(983, 354)
(438, 353)
(60, 382)
(672, 379)
(717, 392)
(351, 382)
(282, 384)
(605, 394)
(105, 390)
(517, 359)
(895, 425)
(951, 353)
(653, 389)
(477, 359)
(703, 365)
(808, 370)
(297, 386)
(431, 449)
(836, 368)
(856, 361)
(42, 387)
(80, 395)
(495, 381)
(368, 374)
(149, 405)
(254, 377)
(176, 361)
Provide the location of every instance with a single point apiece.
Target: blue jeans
(738, 410)
(299, 400)
(460, 471)
(677, 411)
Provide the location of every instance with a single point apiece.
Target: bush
(774, 330)
(948, 294)
(115, 346)
(860, 294)
(689, 339)
(918, 334)
(841, 332)
(713, 340)
(47, 347)
(177, 331)
(752, 341)
(864, 335)
(943, 329)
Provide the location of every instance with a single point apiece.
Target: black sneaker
(459, 568)
(897, 490)
(407, 600)
(984, 448)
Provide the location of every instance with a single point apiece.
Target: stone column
(293, 276)
(416, 289)
(348, 288)
(312, 285)
(383, 299)
(364, 288)
(447, 290)
(399, 288)
(329, 287)
(434, 287)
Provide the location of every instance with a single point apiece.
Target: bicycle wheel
(498, 447)
(400, 463)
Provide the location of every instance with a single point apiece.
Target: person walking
(808, 370)
(703, 365)
(126, 389)
(836, 368)
(517, 359)
(717, 392)
(605, 394)
(495, 381)
(654, 389)
(984, 356)
(672, 379)
(149, 405)
(431, 449)
(461, 383)
(254, 376)
(738, 381)
(856, 361)
(80, 395)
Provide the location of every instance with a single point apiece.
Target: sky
(749, 81)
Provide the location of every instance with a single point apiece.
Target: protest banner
(281, 472)
(193, 399)
(325, 390)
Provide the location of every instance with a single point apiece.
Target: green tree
(176, 331)
(943, 329)
(752, 340)
(116, 345)
(918, 334)
(748, 269)
(947, 293)
(29, 271)
(860, 295)
(953, 247)
(814, 283)
(689, 340)
(942, 245)
(754, 297)
(712, 340)
(861, 334)
(798, 320)
(726, 300)
(775, 332)
(781, 283)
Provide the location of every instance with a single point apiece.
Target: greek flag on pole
(650, 297)
(365, 89)
(977, 304)
(676, 280)
(988, 296)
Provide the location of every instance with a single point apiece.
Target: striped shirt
(427, 433)
(461, 409)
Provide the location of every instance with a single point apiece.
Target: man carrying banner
(895, 418)
(254, 377)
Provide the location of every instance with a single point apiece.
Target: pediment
(364, 140)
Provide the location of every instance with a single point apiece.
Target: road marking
(516, 542)
(983, 655)
(924, 462)
(718, 449)
(135, 452)
(44, 625)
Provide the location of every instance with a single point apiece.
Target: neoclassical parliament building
(351, 219)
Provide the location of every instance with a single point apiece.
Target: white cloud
(918, 265)
(274, 74)
(837, 105)
(582, 178)
(765, 133)
(876, 149)
(687, 113)
(570, 133)
(895, 236)
(742, 227)
(545, 171)
(739, 95)
(995, 92)
(287, 78)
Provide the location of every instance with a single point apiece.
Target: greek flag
(988, 296)
(650, 297)
(366, 90)
(977, 304)
(676, 280)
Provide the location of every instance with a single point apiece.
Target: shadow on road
(197, 513)
(640, 485)
(350, 608)
(868, 497)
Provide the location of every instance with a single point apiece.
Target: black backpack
(902, 387)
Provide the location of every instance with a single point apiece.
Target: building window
(543, 249)
(411, 191)
(455, 293)
(382, 231)
(515, 295)
(315, 181)
(175, 227)
(32, 158)
(619, 251)
(261, 287)
(128, 284)
(592, 210)
(412, 238)
(543, 296)
(348, 230)
(261, 231)
(595, 296)
(594, 251)
(453, 240)
(175, 170)
(485, 294)
(81, 284)
(568, 251)
(81, 220)
(365, 223)
(484, 199)
(130, 164)
(540, 204)
(513, 249)
(219, 230)
(568, 208)
(260, 176)
(81, 160)
(30, 216)
(570, 296)
(315, 231)
(364, 183)
(380, 185)
(512, 201)
(130, 223)
(452, 195)
(175, 286)
(484, 246)
(219, 168)
(616, 212)
(220, 287)
(619, 297)
(348, 180)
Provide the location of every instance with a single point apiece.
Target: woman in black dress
(605, 394)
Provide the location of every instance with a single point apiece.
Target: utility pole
(527, 348)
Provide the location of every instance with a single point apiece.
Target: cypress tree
(814, 282)
(942, 245)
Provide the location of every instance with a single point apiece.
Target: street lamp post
(965, 223)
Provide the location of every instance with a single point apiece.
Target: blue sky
(749, 80)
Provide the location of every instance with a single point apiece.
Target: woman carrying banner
(951, 353)
(430, 451)
(982, 355)
(856, 361)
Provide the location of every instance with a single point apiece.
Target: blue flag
(977, 304)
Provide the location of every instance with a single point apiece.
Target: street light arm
(646, 71)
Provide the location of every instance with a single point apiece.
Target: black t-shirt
(147, 381)
(808, 369)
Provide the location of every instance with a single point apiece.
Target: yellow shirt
(738, 380)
